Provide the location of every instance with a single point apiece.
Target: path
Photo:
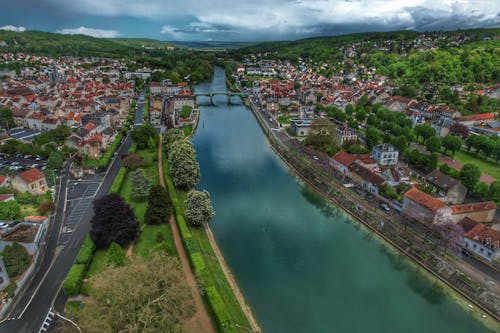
(201, 321)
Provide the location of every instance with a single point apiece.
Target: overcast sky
(238, 20)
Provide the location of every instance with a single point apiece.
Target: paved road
(70, 226)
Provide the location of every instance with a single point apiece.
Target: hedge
(119, 180)
(220, 311)
(198, 262)
(74, 279)
(108, 155)
(86, 252)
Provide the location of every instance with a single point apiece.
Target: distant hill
(211, 44)
(327, 48)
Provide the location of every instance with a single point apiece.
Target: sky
(243, 20)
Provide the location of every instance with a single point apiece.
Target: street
(71, 224)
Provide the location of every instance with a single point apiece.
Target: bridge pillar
(211, 99)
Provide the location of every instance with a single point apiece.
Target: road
(31, 306)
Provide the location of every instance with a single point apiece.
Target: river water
(303, 264)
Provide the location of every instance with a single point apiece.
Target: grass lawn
(285, 120)
(188, 129)
(148, 239)
(90, 162)
(98, 263)
(27, 210)
(486, 166)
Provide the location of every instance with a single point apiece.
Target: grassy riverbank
(219, 295)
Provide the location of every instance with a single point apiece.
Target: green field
(486, 166)
(148, 239)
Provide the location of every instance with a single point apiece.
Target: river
(302, 263)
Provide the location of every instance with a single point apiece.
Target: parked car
(385, 207)
(466, 253)
(356, 208)
(38, 158)
(315, 158)
(27, 156)
(18, 155)
(3, 225)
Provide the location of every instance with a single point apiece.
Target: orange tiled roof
(31, 175)
(484, 234)
(473, 207)
(424, 199)
(344, 158)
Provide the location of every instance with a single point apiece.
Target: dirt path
(201, 322)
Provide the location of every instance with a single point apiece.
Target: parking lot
(19, 163)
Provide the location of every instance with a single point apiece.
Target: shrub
(219, 309)
(86, 251)
(74, 279)
(115, 255)
(11, 288)
(119, 180)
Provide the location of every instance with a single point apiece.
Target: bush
(115, 255)
(16, 259)
(118, 182)
(74, 279)
(86, 252)
(11, 288)
(219, 309)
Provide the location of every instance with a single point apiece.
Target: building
(425, 208)
(32, 181)
(366, 178)
(385, 154)
(345, 134)
(481, 240)
(300, 127)
(446, 187)
(341, 161)
(477, 211)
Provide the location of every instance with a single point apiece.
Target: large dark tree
(159, 206)
(113, 221)
(142, 134)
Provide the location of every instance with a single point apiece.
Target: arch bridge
(229, 95)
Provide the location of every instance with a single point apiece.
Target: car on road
(315, 158)
(3, 225)
(356, 208)
(466, 253)
(385, 207)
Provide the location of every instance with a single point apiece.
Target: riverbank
(406, 242)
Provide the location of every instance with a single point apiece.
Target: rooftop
(424, 199)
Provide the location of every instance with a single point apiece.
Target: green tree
(10, 210)
(140, 184)
(16, 258)
(452, 143)
(433, 162)
(159, 207)
(183, 168)
(424, 131)
(115, 255)
(401, 143)
(494, 191)
(6, 119)
(433, 144)
(140, 135)
(173, 135)
(372, 137)
(199, 209)
(105, 80)
(469, 175)
(481, 190)
(55, 161)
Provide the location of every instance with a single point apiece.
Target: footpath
(201, 321)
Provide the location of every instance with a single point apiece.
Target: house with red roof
(4, 181)
(476, 119)
(31, 180)
(477, 211)
(425, 208)
(481, 240)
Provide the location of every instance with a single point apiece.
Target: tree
(45, 206)
(115, 255)
(469, 175)
(6, 119)
(199, 209)
(133, 161)
(494, 191)
(451, 235)
(372, 137)
(159, 207)
(147, 295)
(105, 80)
(401, 143)
(173, 135)
(139, 183)
(433, 144)
(480, 190)
(10, 210)
(452, 143)
(16, 258)
(459, 130)
(113, 221)
(55, 161)
(424, 131)
(183, 168)
(140, 135)
(433, 162)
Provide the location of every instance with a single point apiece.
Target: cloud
(99, 33)
(13, 28)
(271, 19)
